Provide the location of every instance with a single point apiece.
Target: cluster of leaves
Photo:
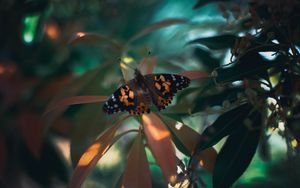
(268, 86)
(251, 95)
(257, 94)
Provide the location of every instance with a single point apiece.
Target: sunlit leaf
(137, 172)
(74, 100)
(182, 135)
(216, 42)
(159, 140)
(3, 155)
(90, 158)
(31, 128)
(156, 26)
(147, 65)
(226, 124)
(95, 38)
(195, 74)
(237, 153)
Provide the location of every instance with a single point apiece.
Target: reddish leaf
(3, 156)
(147, 65)
(207, 159)
(92, 155)
(31, 128)
(186, 135)
(85, 37)
(159, 140)
(53, 86)
(137, 172)
(156, 26)
(74, 100)
(195, 74)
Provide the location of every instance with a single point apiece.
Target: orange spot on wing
(162, 78)
(157, 85)
(131, 94)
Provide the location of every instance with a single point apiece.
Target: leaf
(159, 140)
(75, 87)
(195, 74)
(210, 96)
(147, 65)
(92, 155)
(225, 124)
(184, 137)
(85, 37)
(3, 156)
(206, 58)
(31, 128)
(248, 66)
(74, 100)
(137, 172)
(237, 153)
(216, 42)
(207, 159)
(201, 3)
(156, 26)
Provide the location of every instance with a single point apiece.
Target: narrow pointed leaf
(225, 124)
(159, 140)
(237, 153)
(31, 128)
(216, 42)
(147, 65)
(74, 100)
(85, 37)
(195, 74)
(156, 26)
(92, 155)
(184, 137)
(137, 172)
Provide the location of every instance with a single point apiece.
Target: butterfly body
(138, 94)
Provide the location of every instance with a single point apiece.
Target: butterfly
(138, 94)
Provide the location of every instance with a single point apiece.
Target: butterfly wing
(164, 86)
(123, 99)
(129, 97)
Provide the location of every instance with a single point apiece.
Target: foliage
(238, 102)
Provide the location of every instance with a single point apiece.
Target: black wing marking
(164, 86)
(123, 99)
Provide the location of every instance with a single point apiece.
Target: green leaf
(226, 124)
(216, 42)
(184, 137)
(217, 98)
(248, 66)
(237, 153)
(206, 58)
